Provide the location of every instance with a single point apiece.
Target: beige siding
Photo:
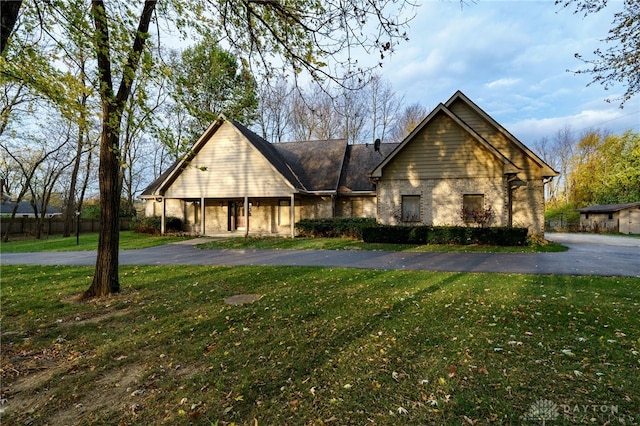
(228, 166)
(497, 139)
(443, 150)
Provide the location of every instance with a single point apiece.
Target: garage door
(630, 223)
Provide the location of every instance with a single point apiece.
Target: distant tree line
(596, 167)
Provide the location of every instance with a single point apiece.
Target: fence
(53, 226)
(562, 225)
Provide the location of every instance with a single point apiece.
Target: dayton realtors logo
(542, 410)
(545, 411)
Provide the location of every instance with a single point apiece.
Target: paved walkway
(587, 255)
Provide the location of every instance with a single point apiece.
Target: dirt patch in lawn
(242, 299)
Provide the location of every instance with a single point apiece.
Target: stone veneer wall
(441, 199)
(528, 206)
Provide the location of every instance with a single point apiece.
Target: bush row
(151, 224)
(500, 236)
(350, 227)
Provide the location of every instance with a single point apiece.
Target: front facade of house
(615, 218)
(457, 160)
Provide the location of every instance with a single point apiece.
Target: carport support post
(246, 216)
(162, 217)
(201, 216)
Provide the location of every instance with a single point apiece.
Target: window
(610, 216)
(411, 208)
(472, 207)
(284, 212)
(357, 208)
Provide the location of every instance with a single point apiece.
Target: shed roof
(608, 208)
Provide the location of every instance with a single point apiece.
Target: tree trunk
(105, 279)
(9, 11)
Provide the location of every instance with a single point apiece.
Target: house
(25, 209)
(457, 160)
(618, 218)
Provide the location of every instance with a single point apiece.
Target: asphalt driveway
(587, 255)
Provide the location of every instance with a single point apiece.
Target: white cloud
(502, 83)
(612, 119)
(511, 58)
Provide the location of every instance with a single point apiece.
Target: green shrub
(460, 235)
(152, 224)
(350, 227)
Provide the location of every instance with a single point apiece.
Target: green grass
(322, 346)
(128, 240)
(271, 243)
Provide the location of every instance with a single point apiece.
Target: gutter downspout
(293, 215)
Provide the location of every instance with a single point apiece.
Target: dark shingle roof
(608, 208)
(24, 207)
(155, 185)
(360, 160)
(316, 163)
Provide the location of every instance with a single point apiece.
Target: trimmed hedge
(350, 227)
(461, 235)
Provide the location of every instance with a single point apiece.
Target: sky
(513, 59)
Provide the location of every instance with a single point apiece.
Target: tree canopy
(321, 38)
(606, 169)
(619, 63)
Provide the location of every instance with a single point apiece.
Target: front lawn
(273, 243)
(128, 240)
(319, 346)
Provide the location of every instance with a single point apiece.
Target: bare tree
(408, 120)
(385, 107)
(38, 172)
(275, 110)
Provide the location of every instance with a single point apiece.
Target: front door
(236, 216)
(239, 211)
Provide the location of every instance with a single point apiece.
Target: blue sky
(511, 58)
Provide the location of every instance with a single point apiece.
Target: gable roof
(608, 208)
(442, 109)
(266, 149)
(461, 97)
